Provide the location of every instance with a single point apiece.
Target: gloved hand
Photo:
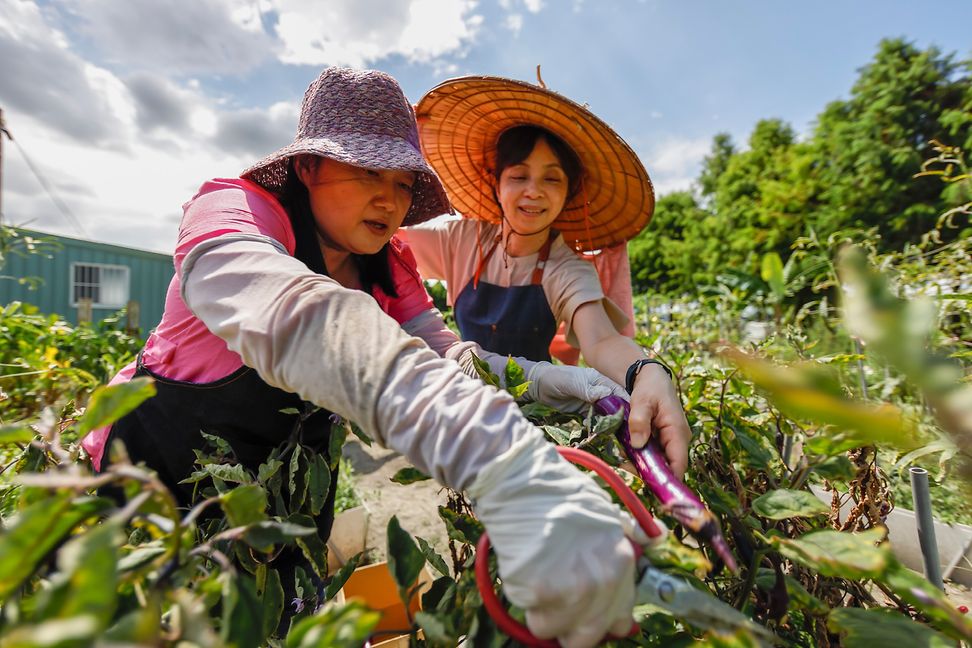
(560, 544)
(569, 389)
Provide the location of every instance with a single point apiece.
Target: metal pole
(926, 525)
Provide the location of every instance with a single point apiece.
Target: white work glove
(560, 544)
(569, 389)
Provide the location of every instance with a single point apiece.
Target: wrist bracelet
(635, 369)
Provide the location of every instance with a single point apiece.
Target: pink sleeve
(615, 273)
(228, 206)
(412, 297)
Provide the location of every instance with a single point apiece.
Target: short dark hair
(516, 144)
(295, 199)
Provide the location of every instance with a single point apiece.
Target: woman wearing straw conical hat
(539, 179)
(292, 300)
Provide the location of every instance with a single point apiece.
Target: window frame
(72, 284)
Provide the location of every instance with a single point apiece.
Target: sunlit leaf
(35, 531)
(263, 535)
(334, 626)
(771, 271)
(409, 475)
(86, 577)
(244, 505)
(16, 433)
(793, 391)
(781, 504)
(110, 403)
(839, 554)
(881, 627)
(918, 591)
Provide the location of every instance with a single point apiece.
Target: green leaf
(269, 590)
(233, 473)
(242, 624)
(87, 575)
(881, 627)
(796, 391)
(463, 528)
(335, 626)
(484, 372)
(110, 403)
(433, 629)
(836, 469)
(772, 273)
(405, 560)
(140, 557)
(268, 470)
(76, 631)
(244, 505)
(358, 432)
(915, 589)
(335, 443)
(35, 531)
(781, 504)
(311, 544)
(296, 485)
(608, 424)
(409, 475)
(16, 433)
(263, 535)
(318, 482)
(834, 553)
(558, 434)
(432, 557)
(341, 577)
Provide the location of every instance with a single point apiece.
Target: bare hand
(655, 406)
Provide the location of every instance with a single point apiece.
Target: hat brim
(363, 150)
(461, 119)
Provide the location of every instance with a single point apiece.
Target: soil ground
(416, 505)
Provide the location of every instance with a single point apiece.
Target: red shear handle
(507, 624)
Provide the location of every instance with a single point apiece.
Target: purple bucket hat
(359, 117)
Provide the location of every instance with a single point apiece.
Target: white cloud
(514, 22)
(674, 164)
(533, 6)
(357, 32)
(190, 37)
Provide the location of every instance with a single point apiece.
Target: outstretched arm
(655, 405)
(559, 540)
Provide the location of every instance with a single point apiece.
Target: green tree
(869, 146)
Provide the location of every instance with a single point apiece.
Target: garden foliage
(813, 358)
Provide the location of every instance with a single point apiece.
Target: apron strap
(542, 258)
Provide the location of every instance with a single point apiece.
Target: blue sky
(125, 108)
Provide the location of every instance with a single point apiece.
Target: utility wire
(60, 204)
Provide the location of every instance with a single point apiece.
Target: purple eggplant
(675, 497)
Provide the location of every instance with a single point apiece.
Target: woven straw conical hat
(461, 119)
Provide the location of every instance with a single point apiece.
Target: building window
(105, 285)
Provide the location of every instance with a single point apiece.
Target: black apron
(508, 320)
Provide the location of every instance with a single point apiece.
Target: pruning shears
(655, 587)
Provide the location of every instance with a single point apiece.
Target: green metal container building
(75, 274)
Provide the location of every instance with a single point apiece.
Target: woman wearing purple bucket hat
(292, 302)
